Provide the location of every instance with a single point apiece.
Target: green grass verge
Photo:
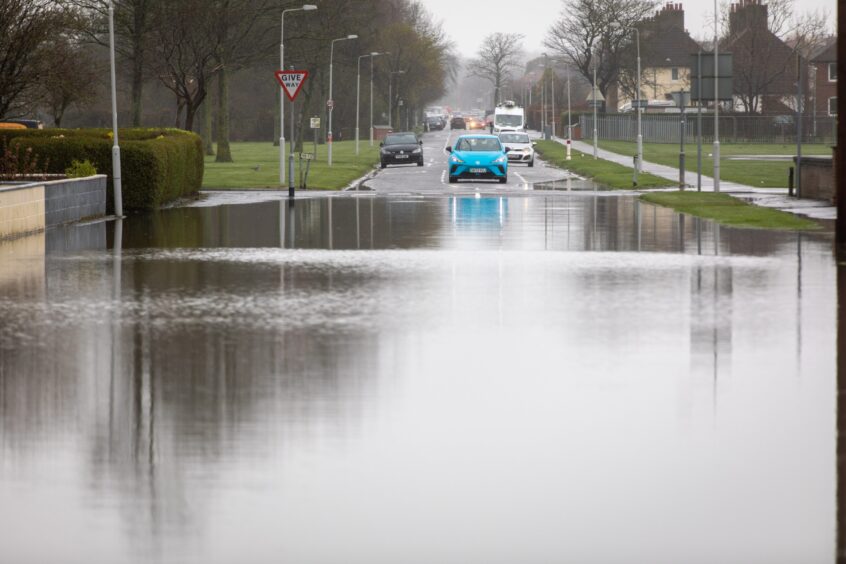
(600, 171)
(763, 174)
(257, 166)
(729, 210)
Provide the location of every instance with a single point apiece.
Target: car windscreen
(514, 138)
(478, 144)
(409, 139)
(509, 120)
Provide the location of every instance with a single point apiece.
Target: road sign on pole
(291, 82)
(315, 123)
(330, 104)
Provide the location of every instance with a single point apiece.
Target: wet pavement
(379, 377)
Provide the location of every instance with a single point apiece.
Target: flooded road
(538, 378)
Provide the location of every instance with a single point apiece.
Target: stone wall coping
(11, 186)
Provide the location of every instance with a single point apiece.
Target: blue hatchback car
(478, 156)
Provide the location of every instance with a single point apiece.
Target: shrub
(17, 163)
(157, 165)
(80, 169)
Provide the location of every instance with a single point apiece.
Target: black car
(457, 123)
(401, 148)
(435, 123)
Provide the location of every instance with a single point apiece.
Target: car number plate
(478, 170)
(400, 156)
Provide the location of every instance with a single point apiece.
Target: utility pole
(595, 117)
(371, 95)
(716, 99)
(116, 180)
(639, 109)
(331, 100)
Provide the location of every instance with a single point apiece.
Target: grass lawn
(600, 171)
(728, 210)
(763, 174)
(257, 166)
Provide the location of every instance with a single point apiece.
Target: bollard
(291, 176)
(634, 172)
(790, 174)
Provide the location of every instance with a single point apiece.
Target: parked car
(28, 123)
(478, 156)
(522, 149)
(401, 148)
(457, 122)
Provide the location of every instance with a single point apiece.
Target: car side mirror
(420, 142)
(507, 149)
(448, 148)
(534, 143)
(381, 144)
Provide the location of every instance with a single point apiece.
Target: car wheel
(453, 179)
(420, 162)
(503, 180)
(531, 163)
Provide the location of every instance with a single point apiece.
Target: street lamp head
(309, 7)
(353, 36)
(375, 54)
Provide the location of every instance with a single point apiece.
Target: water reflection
(216, 382)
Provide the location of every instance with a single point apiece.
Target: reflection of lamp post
(116, 181)
(391, 97)
(305, 8)
(331, 101)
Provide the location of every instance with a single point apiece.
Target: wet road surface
(546, 377)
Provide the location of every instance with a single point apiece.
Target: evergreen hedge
(157, 165)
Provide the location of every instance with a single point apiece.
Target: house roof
(828, 54)
(669, 47)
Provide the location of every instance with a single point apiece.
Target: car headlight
(416, 151)
(501, 159)
(456, 160)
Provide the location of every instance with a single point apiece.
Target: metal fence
(665, 128)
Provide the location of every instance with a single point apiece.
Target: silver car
(522, 149)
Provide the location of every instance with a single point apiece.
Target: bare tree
(25, 26)
(69, 76)
(134, 25)
(498, 55)
(597, 32)
(186, 44)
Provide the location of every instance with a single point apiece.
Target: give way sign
(291, 82)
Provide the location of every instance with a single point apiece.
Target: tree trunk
(224, 153)
(208, 143)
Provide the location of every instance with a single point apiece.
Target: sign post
(291, 82)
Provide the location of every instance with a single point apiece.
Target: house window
(832, 72)
(832, 106)
(675, 72)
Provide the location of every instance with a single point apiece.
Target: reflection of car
(478, 156)
(457, 122)
(521, 147)
(401, 148)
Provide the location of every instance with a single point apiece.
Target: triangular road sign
(291, 82)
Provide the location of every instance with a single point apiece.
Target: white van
(508, 116)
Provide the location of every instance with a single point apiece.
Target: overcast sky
(468, 21)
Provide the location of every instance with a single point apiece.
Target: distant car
(28, 123)
(522, 149)
(478, 156)
(435, 123)
(401, 148)
(457, 122)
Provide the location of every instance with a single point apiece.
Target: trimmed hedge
(157, 165)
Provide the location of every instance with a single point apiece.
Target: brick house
(765, 67)
(665, 47)
(825, 86)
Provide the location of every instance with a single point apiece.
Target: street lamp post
(371, 93)
(116, 180)
(569, 119)
(331, 100)
(639, 108)
(552, 89)
(716, 99)
(391, 96)
(304, 8)
(357, 97)
(595, 117)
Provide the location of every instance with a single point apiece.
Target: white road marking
(525, 183)
(443, 177)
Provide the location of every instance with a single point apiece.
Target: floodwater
(562, 378)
